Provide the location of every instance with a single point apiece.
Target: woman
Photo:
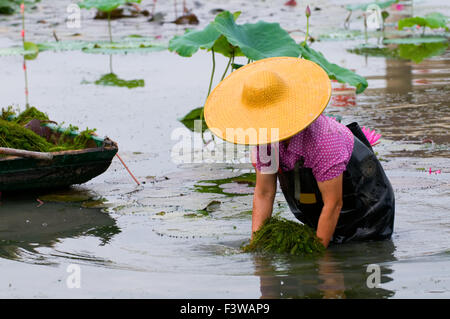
(328, 173)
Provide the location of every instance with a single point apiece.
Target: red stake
(131, 174)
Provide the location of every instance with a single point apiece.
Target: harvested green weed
(279, 235)
(13, 134)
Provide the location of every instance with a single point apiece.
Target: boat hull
(65, 169)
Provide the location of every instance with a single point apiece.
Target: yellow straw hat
(267, 101)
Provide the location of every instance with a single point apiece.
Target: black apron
(368, 198)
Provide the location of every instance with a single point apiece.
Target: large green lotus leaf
(104, 5)
(436, 20)
(418, 53)
(225, 48)
(190, 42)
(363, 6)
(257, 41)
(415, 40)
(433, 20)
(208, 38)
(335, 72)
(189, 119)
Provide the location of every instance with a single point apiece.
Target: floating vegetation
(282, 236)
(225, 187)
(112, 79)
(130, 45)
(417, 40)
(414, 52)
(14, 134)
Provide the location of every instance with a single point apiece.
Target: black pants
(368, 198)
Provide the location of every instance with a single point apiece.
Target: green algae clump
(282, 236)
(13, 135)
(31, 113)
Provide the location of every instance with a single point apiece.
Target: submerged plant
(282, 236)
(106, 6)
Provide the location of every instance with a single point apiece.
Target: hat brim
(308, 94)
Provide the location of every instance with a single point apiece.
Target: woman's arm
(265, 190)
(331, 191)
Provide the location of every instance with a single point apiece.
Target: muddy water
(179, 233)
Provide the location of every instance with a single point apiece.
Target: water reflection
(340, 273)
(27, 226)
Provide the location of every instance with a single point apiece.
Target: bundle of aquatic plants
(14, 134)
(279, 235)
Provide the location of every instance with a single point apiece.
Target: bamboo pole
(26, 154)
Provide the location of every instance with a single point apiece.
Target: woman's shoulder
(326, 130)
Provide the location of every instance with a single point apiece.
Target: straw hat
(267, 101)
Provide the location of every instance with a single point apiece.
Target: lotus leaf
(105, 5)
(256, 41)
(334, 71)
(433, 20)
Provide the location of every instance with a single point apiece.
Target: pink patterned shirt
(326, 146)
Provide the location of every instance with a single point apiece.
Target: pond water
(152, 240)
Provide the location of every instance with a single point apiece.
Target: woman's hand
(331, 191)
(265, 190)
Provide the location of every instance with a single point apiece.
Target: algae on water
(279, 235)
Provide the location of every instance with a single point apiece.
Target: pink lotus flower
(22, 8)
(435, 172)
(308, 11)
(371, 136)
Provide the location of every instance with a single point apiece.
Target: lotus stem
(226, 69)
(109, 26)
(307, 29)
(210, 82)
(212, 73)
(365, 27)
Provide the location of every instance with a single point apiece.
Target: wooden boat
(62, 169)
